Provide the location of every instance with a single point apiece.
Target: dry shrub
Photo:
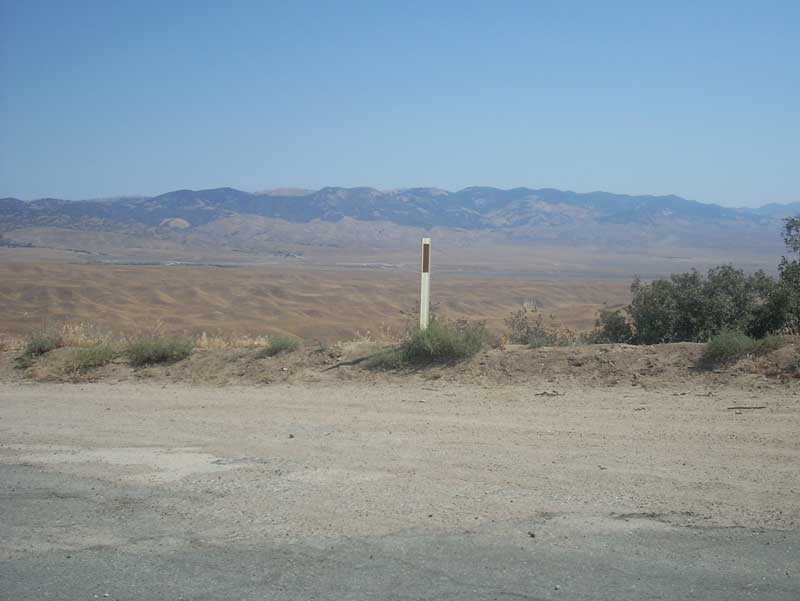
(529, 326)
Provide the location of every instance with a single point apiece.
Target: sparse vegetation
(36, 345)
(443, 342)
(216, 342)
(42, 342)
(277, 345)
(730, 345)
(92, 357)
(529, 327)
(10, 342)
(83, 335)
(154, 350)
(519, 326)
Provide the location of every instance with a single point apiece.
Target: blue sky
(700, 99)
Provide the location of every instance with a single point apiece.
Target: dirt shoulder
(548, 488)
(384, 457)
(602, 365)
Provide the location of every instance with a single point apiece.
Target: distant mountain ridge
(470, 208)
(294, 220)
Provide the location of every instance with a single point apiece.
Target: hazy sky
(700, 99)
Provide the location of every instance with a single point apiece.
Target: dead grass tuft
(9, 342)
(206, 342)
(83, 335)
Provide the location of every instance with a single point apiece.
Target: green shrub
(768, 344)
(386, 359)
(92, 357)
(36, 345)
(278, 344)
(730, 345)
(726, 346)
(40, 343)
(152, 350)
(691, 307)
(612, 327)
(441, 342)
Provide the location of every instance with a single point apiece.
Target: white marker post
(425, 286)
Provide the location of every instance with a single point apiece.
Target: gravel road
(389, 491)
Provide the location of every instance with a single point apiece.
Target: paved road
(174, 517)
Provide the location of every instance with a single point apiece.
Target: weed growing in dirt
(730, 345)
(278, 344)
(36, 345)
(153, 350)
(442, 342)
(92, 357)
(529, 327)
(40, 343)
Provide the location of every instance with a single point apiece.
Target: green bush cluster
(730, 345)
(278, 344)
(692, 307)
(442, 342)
(153, 350)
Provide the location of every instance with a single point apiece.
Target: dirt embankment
(594, 365)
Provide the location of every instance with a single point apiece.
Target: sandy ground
(582, 493)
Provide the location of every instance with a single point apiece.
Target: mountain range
(335, 216)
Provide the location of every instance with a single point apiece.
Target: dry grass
(206, 342)
(83, 335)
(77, 335)
(11, 342)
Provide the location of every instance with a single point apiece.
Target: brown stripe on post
(426, 258)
